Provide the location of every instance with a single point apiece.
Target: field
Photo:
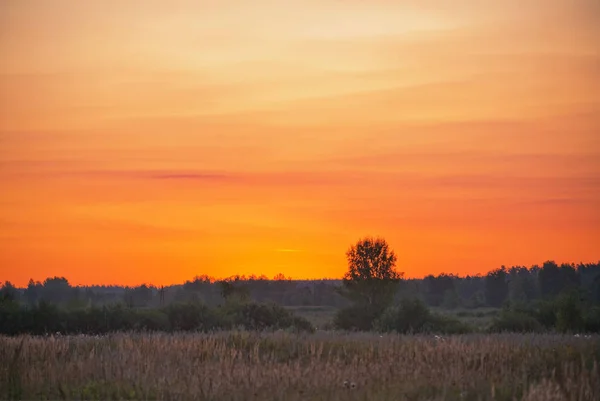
(322, 316)
(319, 316)
(283, 366)
(478, 319)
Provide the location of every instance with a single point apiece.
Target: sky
(152, 141)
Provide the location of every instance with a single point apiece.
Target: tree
(8, 292)
(496, 287)
(371, 280)
(569, 314)
(554, 279)
(281, 277)
(438, 287)
(56, 290)
(33, 291)
(451, 300)
(230, 291)
(138, 296)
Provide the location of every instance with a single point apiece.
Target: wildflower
(346, 383)
(353, 385)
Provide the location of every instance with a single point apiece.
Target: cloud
(142, 174)
(192, 176)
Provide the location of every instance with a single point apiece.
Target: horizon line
(243, 277)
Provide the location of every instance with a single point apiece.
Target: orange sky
(150, 141)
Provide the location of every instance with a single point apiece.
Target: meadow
(244, 365)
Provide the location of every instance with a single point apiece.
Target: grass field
(320, 317)
(282, 366)
(478, 319)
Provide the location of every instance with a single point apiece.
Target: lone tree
(371, 281)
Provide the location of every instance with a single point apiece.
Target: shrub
(545, 313)
(446, 325)
(356, 318)
(46, 318)
(413, 316)
(152, 320)
(10, 317)
(262, 316)
(192, 316)
(118, 318)
(410, 316)
(514, 321)
(591, 320)
(569, 313)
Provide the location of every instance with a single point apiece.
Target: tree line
(372, 295)
(517, 284)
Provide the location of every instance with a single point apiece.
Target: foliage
(545, 313)
(591, 319)
(515, 321)
(8, 293)
(410, 316)
(436, 287)
(569, 314)
(451, 300)
(371, 278)
(192, 316)
(356, 318)
(231, 290)
(496, 287)
(525, 285)
(413, 316)
(46, 318)
(255, 316)
(370, 283)
(554, 279)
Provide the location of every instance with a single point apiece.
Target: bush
(191, 316)
(591, 320)
(545, 313)
(356, 318)
(413, 316)
(46, 318)
(569, 313)
(152, 320)
(10, 317)
(260, 316)
(446, 325)
(410, 316)
(514, 321)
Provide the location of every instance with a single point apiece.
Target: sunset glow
(152, 141)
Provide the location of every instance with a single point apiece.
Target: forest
(550, 296)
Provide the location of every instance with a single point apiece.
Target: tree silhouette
(496, 287)
(161, 293)
(8, 292)
(371, 279)
(439, 287)
(231, 291)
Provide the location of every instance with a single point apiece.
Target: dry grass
(280, 366)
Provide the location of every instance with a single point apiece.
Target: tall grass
(283, 366)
